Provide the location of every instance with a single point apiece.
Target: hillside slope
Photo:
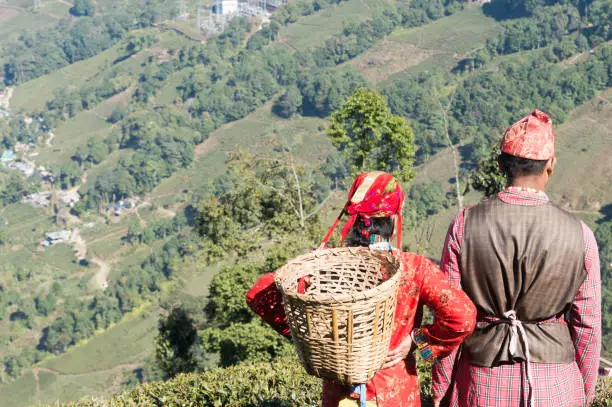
(103, 252)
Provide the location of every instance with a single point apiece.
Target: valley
(144, 132)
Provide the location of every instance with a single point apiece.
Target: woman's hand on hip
(399, 353)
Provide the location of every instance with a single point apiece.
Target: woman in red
(374, 207)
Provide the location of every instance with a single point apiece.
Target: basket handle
(330, 232)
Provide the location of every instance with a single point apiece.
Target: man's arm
(451, 267)
(585, 317)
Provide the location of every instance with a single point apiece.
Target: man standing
(532, 270)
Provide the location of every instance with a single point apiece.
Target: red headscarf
(373, 195)
(531, 137)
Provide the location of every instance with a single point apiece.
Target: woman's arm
(455, 313)
(266, 301)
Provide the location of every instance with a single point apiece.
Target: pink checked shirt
(556, 385)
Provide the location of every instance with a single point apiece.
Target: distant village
(19, 158)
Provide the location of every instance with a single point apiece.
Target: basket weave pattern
(342, 325)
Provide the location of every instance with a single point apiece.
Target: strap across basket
(340, 304)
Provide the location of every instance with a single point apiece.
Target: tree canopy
(83, 8)
(370, 137)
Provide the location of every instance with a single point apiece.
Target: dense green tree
(15, 364)
(57, 337)
(24, 312)
(69, 175)
(174, 344)
(97, 150)
(371, 137)
(289, 103)
(419, 99)
(325, 91)
(138, 42)
(264, 36)
(83, 8)
(14, 186)
(116, 115)
(488, 177)
(252, 341)
(133, 233)
(425, 200)
(565, 48)
(106, 311)
(226, 294)
(45, 304)
(148, 236)
(269, 193)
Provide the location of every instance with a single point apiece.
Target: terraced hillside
(439, 45)
(172, 110)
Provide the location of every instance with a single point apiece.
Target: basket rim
(338, 299)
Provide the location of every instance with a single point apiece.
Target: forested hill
(151, 171)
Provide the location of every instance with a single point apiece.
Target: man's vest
(527, 261)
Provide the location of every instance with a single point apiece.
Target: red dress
(422, 284)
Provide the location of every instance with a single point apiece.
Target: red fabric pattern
(555, 384)
(266, 301)
(373, 195)
(422, 284)
(531, 137)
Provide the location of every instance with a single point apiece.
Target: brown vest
(529, 259)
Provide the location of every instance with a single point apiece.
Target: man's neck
(529, 183)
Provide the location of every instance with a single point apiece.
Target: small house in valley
(60, 236)
(7, 156)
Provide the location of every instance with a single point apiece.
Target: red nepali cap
(374, 194)
(531, 137)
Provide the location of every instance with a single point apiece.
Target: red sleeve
(450, 265)
(585, 316)
(455, 313)
(265, 300)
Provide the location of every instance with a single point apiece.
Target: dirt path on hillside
(6, 103)
(51, 137)
(118, 233)
(207, 146)
(101, 276)
(179, 32)
(35, 373)
(143, 224)
(79, 244)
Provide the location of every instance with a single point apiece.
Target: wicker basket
(341, 325)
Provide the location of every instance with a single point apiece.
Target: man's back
(532, 270)
(561, 384)
(529, 259)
